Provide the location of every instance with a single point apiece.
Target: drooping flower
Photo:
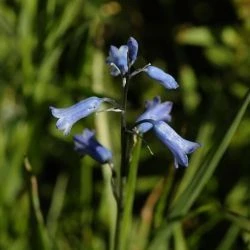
(159, 75)
(69, 116)
(179, 146)
(86, 144)
(155, 110)
(120, 60)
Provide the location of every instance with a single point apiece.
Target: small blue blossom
(177, 145)
(86, 144)
(132, 50)
(165, 79)
(69, 116)
(155, 110)
(118, 60)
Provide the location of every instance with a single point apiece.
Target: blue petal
(69, 116)
(165, 79)
(113, 53)
(153, 103)
(122, 60)
(177, 145)
(87, 144)
(155, 110)
(118, 60)
(132, 50)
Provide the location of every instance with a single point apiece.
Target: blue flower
(155, 110)
(118, 60)
(132, 50)
(86, 144)
(69, 116)
(177, 145)
(165, 79)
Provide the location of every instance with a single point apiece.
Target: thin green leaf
(130, 193)
(179, 239)
(190, 194)
(57, 204)
(40, 238)
(229, 239)
(193, 190)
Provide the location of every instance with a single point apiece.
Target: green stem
(123, 165)
(130, 192)
(40, 236)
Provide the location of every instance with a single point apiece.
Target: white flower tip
(52, 109)
(55, 111)
(64, 126)
(176, 85)
(67, 130)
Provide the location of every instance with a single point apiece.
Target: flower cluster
(121, 59)
(85, 144)
(155, 118)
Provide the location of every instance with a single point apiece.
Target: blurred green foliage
(53, 53)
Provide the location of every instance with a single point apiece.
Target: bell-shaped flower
(121, 59)
(162, 77)
(86, 144)
(118, 60)
(67, 117)
(132, 50)
(177, 145)
(155, 110)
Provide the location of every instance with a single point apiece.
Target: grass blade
(41, 240)
(190, 194)
(130, 193)
(187, 198)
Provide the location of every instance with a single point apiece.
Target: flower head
(177, 145)
(69, 116)
(86, 144)
(120, 60)
(155, 110)
(159, 75)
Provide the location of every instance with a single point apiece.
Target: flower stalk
(155, 118)
(123, 163)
